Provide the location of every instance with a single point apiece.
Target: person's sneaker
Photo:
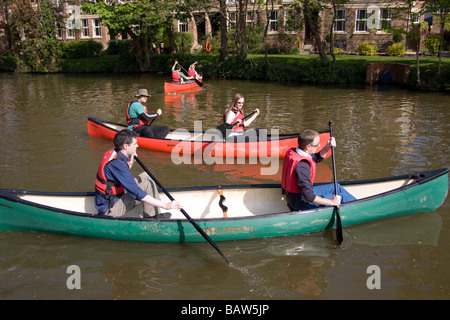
(161, 216)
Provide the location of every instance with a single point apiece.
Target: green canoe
(253, 211)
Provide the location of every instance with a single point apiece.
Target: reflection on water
(379, 133)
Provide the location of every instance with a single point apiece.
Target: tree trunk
(242, 26)
(223, 30)
(140, 44)
(309, 19)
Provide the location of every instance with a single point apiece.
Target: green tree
(142, 21)
(441, 13)
(33, 35)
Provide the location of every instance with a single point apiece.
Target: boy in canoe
(117, 191)
(299, 168)
(139, 120)
(178, 76)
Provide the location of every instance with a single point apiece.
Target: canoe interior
(189, 135)
(203, 203)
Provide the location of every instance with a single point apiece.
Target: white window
(182, 26)
(84, 28)
(361, 20)
(386, 18)
(414, 17)
(290, 21)
(97, 27)
(273, 21)
(250, 19)
(232, 18)
(339, 21)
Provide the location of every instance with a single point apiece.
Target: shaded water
(380, 132)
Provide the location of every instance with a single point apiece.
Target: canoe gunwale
(283, 136)
(13, 195)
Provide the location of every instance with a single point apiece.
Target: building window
(386, 18)
(339, 21)
(59, 31)
(182, 26)
(97, 26)
(361, 20)
(414, 17)
(69, 31)
(290, 21)
(232, 18)
(84, 28)
(273, 21)
(250, 19)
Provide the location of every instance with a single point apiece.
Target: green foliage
(183, 41)
(366, 48)
(396, 50)
(432, 43)
(33, 36)
(119, 47)
(80, 49)
(8, 62)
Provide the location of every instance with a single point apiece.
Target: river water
(380, 131)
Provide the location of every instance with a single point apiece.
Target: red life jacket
(191, 72)
(135, 122)
(238, 116)
(108, 188)
(288, 177)
(176, 76)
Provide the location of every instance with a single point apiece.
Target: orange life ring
(208, 46)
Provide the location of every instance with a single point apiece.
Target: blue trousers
(327, 191)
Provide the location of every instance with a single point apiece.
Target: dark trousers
(152, 131)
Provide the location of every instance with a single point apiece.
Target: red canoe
(181, 142)
(170, 87)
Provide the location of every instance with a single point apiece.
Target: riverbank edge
(301, 69)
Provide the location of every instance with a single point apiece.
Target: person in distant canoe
(299, 169)
(139, 120)
(117, 191)
(194, 73)
(178, 76)
(234, 115)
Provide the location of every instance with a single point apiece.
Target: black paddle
(224, 126)
(339, 235)
(195, 79)
(200, 230)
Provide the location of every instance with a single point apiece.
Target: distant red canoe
(170, 87)
(181, 142)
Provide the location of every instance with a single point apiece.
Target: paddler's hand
(131, 161)
(159, 112)
(173, 205)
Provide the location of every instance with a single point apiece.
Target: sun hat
(142, 92)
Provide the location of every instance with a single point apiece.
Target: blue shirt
(118, 171)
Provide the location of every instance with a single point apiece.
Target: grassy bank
(305, 69)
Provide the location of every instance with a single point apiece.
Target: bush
(366, 48)
(396, 50)
(80, 49)
(119, 47)
(432, 44)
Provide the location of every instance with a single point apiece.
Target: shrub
(119, 47)
(396, 50)
(80, 49)
(432, 43)
(366, 48)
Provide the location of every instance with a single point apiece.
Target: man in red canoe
(139, 120)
